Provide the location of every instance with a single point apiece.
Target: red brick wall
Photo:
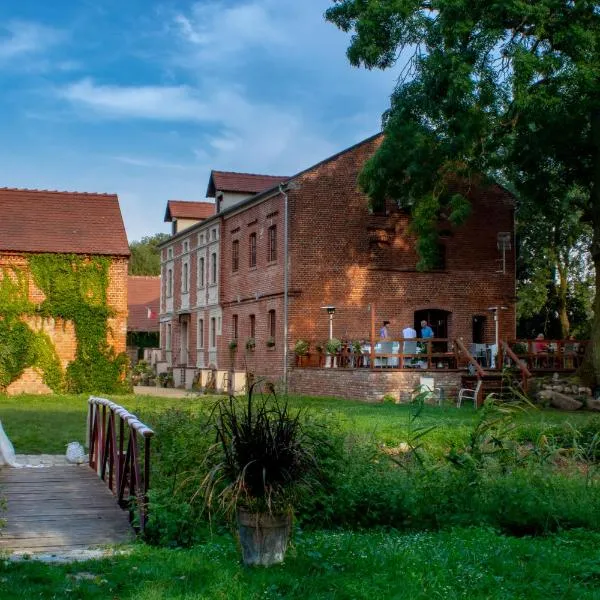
(62, 333)
(253, 290)
(364, 384)
(342, 255)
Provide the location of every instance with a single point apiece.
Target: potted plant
(333, 346)
(356, 348)
(270, 342)
(233, 344)
(262, 459)
(301, 349)
(250, 344)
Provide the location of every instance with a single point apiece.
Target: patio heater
(495, 309)
(330, 311)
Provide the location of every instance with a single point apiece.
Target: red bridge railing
(119, 451)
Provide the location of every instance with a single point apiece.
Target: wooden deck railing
(548, 355)
(119, 451)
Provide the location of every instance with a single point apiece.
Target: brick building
(39, 223)
(143, 300)
(339, 253)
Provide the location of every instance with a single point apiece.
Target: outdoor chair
(469, 394)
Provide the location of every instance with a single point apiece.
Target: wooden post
(372, 361)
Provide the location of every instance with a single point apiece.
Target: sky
(143, 98)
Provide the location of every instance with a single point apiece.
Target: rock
(592, 404)
(564, 402)
(555, 377)
(559, 388)
(545, 394)
(584, 390)
(575, 389)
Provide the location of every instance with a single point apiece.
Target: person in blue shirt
(426, 331)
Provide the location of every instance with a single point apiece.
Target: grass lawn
(46, 424)
(463, 563)
(457, 563)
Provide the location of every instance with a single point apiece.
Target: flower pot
(263, 537)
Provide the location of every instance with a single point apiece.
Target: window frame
(252, 250)
(272, 244)
(235, 256)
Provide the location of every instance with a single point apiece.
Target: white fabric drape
(7, 452)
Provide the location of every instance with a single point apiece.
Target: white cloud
(218, 32)
(19, 39)
(149, 163)
(168, 103)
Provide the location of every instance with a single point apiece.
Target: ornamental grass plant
(263, 456)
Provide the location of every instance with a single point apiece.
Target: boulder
(564, 402)
(592, 404)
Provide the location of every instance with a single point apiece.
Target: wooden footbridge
(63, 508)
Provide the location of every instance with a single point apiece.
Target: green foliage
(494, 91)
(145, 255)
(333, 346)
(261, 458)
(75, 290)
(301, 348)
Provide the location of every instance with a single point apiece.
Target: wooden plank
(60, 508)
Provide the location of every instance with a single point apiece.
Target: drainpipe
(283, 191)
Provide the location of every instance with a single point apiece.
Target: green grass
(463, 563)
(46, 424)
(456, 563)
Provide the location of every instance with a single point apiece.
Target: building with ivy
(63, 292)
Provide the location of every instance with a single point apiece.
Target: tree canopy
(507, 89)
(145, 256)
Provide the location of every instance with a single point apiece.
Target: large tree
(509, 89)
(145, 255)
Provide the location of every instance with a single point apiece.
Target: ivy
(75, 290)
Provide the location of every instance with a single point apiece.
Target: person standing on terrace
(383, 332)
(426, 331)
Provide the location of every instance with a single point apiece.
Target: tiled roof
(248, 183)
(144, 302)
(183, 209)
(66, 222)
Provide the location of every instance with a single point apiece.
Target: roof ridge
(193, 201)
(250, 174)
(73, 192)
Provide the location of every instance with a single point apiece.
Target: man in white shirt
(409, 333)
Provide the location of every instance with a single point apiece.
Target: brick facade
(62, 333)
(341, 255)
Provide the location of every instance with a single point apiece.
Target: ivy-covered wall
(61, 291)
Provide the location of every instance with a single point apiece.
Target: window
(169, 283)
(252, 326)
(201, 272)
(272, 249)
(234, 327)
(169, 253)
(213, 234)
(213, 267)
(252, 249)
(185, 277)
(186, 247)
(235, 255)
(200, 334)
(213, 332)
(200, 239)
(272, 324)
(169, 337)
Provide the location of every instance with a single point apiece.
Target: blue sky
(143, 98)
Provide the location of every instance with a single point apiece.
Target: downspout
(283, 191)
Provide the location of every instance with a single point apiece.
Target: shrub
(301, 348)
(333, 346)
